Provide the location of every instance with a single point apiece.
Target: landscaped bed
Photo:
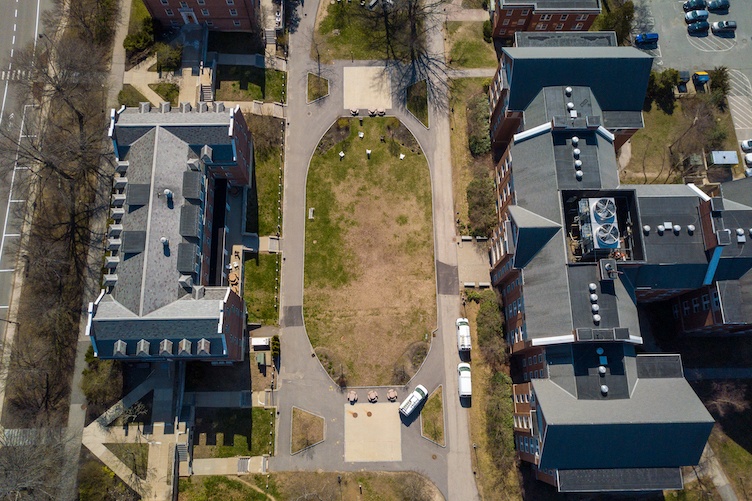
(369, 266)
(224, 433)
(307, 430)
(262, 212)
(417, 101)
(318, 87)
(167, 91)
(248, 83)
(130, 96)
(133, 455)
(466, 48)
(432, 417)
(260, 271)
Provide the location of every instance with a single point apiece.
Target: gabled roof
(533, 232)
(618, 76)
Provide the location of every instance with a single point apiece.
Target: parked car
(413, 400)
(748, 159)
(698, 27)
(747, 145)
(464, 383)
(694, 5)
(463, 334)
(696, 15)
(723, 26)
(715, 5)
(646, 39)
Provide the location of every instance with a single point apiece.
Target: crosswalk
(13, 75)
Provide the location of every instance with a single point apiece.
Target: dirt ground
(383, 208)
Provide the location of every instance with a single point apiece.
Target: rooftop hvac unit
(607, 236)
(603, 210)
(599, 227)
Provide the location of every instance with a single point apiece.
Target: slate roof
(533, 232)
(620, 479)
(736, 299)
(534, 68)
(565, 39)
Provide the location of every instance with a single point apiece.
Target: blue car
(698, 27)
(646, 39)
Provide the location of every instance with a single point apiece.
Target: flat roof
(565, 39)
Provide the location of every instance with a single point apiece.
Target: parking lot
(682, 51)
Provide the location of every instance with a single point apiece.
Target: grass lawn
(463, 163)
(490, 479)
(417, 101)
(218, 488)
(130, 96)
(735, 460)
(224, 433)
(343, 32)
(466, 48)
(167, 91)
(650, 161)
(263, 196)
(307, 430)
(376, 486)
(432, 417)
(134, 456)
(317, 87)
(138, 14)
(248, 83)
(259, 274)
(369, 274)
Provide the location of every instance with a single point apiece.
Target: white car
(464, 383)
(748, 159)
(413, 399)
(463, 334)
(747, 145)
(696, 15)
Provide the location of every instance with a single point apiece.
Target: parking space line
(16, 201)
(9, 270)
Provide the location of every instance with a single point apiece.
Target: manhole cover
(369, 414)
(355, 414)
(433, 456)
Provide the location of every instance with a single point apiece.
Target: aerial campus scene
(376, 250)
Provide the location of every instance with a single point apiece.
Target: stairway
(206, 94)
(182, 452)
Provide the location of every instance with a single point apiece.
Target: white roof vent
(691, 229)
(578, 174)
(185, 281)
(576, 153)
(596, 319)
(119, 348)
(602, 370)
(595, 308)
(739, 231)
(568, 90)
(677, 229)
(646, 229)
(661, 229)
(204, 347)
(570, 105)
(578, 164)
(604, 389)
(165, 241)
(168, 193)
(110, 279)
(184, 347)
(592, 287)
(575, 140)
(594, 298)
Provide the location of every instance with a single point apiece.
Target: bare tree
(726, 397)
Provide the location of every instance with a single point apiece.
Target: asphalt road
(679, 50)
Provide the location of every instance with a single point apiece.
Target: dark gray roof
(155, 329)
(736, 299)
(622, 120)
(190, 219)
(587, 358)
(580, 276)
(192, 184)
(556, 4)
(136, 194)
(739, 190)
(133, 242)
(533, 233)
(186, 261)
(659, 366)
(620, 479)
(671, 247)
(565, 39)
(534, 68)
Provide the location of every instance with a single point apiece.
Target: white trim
(605, 133)
(535, 131)
(567, 338)
(704, 196)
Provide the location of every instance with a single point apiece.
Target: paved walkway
(471, 73)
(140, 77)
(457, 13)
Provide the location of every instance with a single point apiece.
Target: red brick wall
(216, 12)
(508, 21)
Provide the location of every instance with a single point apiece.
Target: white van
(464, 382)
(463, 334)
(413, 399)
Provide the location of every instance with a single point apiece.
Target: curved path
(303, 382)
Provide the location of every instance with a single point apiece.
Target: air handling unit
(599, 227)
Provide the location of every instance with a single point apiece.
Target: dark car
(698, 27)
(723, 26)
(646, 39)
(694, 5)
(715, 5)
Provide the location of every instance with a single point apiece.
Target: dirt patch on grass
(373, 485)
(369, 275)
(307, 430)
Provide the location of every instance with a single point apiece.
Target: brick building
(165, 294)
(222, 15)
(514, 16)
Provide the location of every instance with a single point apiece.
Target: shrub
(478, 135)
(275, 347)
(168, 57)
(480, 206)
(487, 32)
(101, 381)
(490, 327)
(499, 421)
(142, 39)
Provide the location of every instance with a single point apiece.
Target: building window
(716, 302)
(676, 311)
(233, 12)
(563, 17)
(578, 26)
(201, 2)
(529, 361)
(509, 12)
(541, 26)
(685, 307)
(525, 12)
(163, 2)
(545, 17)
(705, 302)
(230, 2)
(174, 23)
(524, 362)
(520, 22)
(524, 376)
(505, 22)
(204, 12)
(184, 5)
(560, 26)
(169, 12)
(695, 305)
(236, 23)
(540, 358)
(582, 17)
(209, 23)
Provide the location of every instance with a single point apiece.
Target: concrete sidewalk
(228, 466)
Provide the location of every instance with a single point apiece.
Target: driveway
(303, 382)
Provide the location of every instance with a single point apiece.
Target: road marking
(7, 270)
(17, 201)
(16, 15)
(711, 44)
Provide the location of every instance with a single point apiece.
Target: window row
(205, 12)
(532, 360)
